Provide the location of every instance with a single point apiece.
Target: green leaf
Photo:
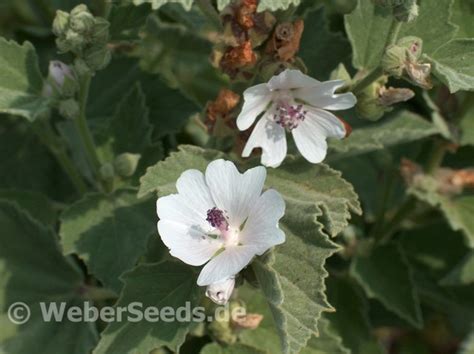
(458, 210)
(33, 271)
(351, 320)
(401, 127)
(238, 348)
(126, 21)
(21, 82)
(159, 285)
(162, 177)
(463, 273)
(368, 26)
(462, 14)
(168, 108)
(274, 5)
(109, 232)
(316, 186)
(321, 49)
(181, 57)
(129, 129)
(453, 64)
(386, 276)
(292, 277)
(35, 203)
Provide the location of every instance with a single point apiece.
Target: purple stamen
(289, 116)
(216, 218)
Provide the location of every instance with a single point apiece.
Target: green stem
(436, 157)
(49, 138)
(376, 73)
(83, 129)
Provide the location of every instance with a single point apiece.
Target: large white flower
(292, 101)
(221, 218)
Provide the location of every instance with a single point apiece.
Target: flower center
(217, 219)
(289, 115)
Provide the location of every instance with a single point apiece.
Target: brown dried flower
(221, 107)
(249, 321)
(285, 41)
(238, 57)
(390, 96)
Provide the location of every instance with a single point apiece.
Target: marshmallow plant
(222, 220)
(296, 103)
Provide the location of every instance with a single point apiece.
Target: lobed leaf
(109, 232)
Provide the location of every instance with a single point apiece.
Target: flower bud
(413, 45)
(126, 164)
(419, 74)
(97, 58)
(406, 11)
(60, 22)
(82, 22)
(107, 171)
(69, 108)
(220, 292)
(368, 105)
(393, 60)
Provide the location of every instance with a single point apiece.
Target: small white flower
(221, 218)
(292, 101)
(220, 292)
(58, 71)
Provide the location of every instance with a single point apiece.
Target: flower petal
(188, 243)
(271, 137)
(191, 185)
(310, 135)
(291, 79)
(256, 99)
(233, 192)
(226, 264)
(261, 228)
(323, 96)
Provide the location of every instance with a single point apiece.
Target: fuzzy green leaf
(453, 64)
(458, 210)
(21, 82)
(238, 348)
(109, 232)
(368, 26)
(156, 4)
(462, 14)
(162, 177)
(401, 127)
(386, 276)
(159, 285)
(292, 277)
(319, 186)
(34, 270)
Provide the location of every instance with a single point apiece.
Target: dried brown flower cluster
(285, 41)
(221, 108)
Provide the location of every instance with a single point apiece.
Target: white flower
(220, 292)
(58, 71)
(221, 218)
(295, 102)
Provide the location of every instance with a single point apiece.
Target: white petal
(188, 243)
(256, 99)
(220, 292)
(192, 187)
(323, 96)
(176, 208)
(291, 79)
(271, 137)
(228, 263)
(310, 135)
(233, 192)
(261, 228)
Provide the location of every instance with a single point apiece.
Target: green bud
(82, 23)
(69, 108)
(100, 31)
(126, 164)
(413, 45)
(393, 60)
(222, 330)
(368, 105)
(81, 68)
(60, 22)
(107, 171)
(78, 9)
(407, 11)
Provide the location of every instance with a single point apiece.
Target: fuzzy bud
(126, 164)
(413, 46)
(69, 108)
(220, 292)
(407, 11)
(60, 22)
(393, 60)
(107, 171)
(368, 105)
(62, 78)
(97, 58)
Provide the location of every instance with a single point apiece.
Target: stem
(367, 80)
(436, 157)
(82, 127)
(375, 74)
(47, 136)
(405, 210)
